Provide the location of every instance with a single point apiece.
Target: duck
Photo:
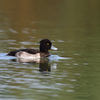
(42, 52)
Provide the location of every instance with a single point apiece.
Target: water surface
(72, 72)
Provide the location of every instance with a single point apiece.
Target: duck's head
(45, 45)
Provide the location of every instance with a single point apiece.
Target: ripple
(13, 31)
(85, 63)
(25, 30)
(61, 41)
(4, 57)
(2, 31)
(26, 43)
(70, 91)
(75, 64)
(9, 40)
(58, 57)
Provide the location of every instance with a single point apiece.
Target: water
(72, 72)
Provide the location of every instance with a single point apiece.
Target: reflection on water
(26, 76)
(44, 66)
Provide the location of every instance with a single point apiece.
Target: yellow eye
(47, 43)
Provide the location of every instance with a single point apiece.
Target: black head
(45, 45)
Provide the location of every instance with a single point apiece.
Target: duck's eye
(47, 43)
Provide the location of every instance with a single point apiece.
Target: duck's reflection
(45, 68)
(44, 65)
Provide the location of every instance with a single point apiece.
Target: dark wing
(31, 51)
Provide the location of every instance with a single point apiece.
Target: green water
(74, 28)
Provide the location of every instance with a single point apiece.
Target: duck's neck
(43, 49)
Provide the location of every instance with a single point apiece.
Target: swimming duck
(45, 45)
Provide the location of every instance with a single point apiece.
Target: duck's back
(31, 51)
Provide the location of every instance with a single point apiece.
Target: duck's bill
(53, 48)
